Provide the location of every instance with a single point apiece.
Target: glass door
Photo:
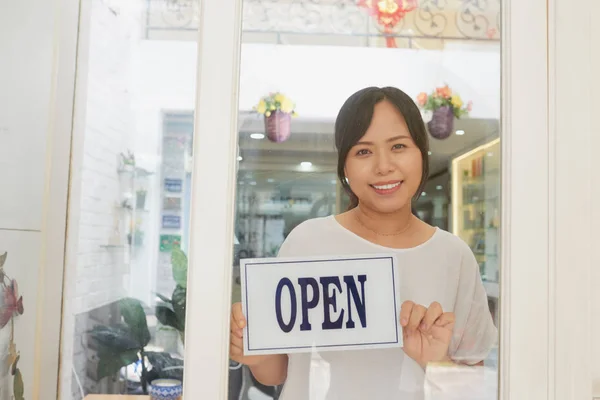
(125, 300)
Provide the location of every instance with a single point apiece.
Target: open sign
(325, 303)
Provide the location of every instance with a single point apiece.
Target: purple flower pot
(278, 126)
(442, 123)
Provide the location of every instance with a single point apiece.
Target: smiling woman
(382, 162)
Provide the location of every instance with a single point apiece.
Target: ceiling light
(490, 154)
(240, 158)
(257, 136)
(306, 164)
(423, 194)
(439, 187)
(460, 132)
(270, 180)
(253, 183)
(429, 153)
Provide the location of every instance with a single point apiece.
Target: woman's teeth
(387, 187)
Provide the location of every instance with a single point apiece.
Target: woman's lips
(384, 188)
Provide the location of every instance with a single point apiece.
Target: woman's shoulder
(310, 227)
(308, 236)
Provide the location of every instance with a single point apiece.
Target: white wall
(318, 79)
(26, 85)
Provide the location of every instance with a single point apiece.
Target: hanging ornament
(388, 14)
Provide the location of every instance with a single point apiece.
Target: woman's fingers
(445, 319)
(238, 315)
(405, 312)
(416, 316)
(431, 316)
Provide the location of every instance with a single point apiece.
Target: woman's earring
(347, 180)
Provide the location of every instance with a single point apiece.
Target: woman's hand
(236, 338)
(426, 332)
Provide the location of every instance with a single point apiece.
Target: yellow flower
(287, 106)
(272, 107)
(279, 98)
(457, 101)
(268, 114)
(294, 114)
(261, 107)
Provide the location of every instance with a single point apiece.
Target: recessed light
(306, 164)
(257, 136)
(240, 158)
(423, 194)
(270, 180)
(490, 154)
(439, 187)
(429, 153)
(460, 132)
(253, 183)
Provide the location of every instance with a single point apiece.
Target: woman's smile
(386, 188)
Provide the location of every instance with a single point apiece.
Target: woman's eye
(362, 152)
(399, 146)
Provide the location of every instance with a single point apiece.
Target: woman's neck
(391, 224)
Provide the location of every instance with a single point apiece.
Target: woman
(383, 165)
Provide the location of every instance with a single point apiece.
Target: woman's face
(384, 168)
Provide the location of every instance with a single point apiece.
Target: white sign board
(321, 304)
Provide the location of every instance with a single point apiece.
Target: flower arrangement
(445, 106)
(274, 102)
(443, 96)
(277, 110)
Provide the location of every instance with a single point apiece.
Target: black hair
(354, 119)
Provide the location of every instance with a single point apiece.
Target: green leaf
(179, 300)
(163, 298)
(19, 388)
(3, 259)
(179, 262)
(117, 338)
(110, 363)
(135, 317)
(167, 316)
(165, 365)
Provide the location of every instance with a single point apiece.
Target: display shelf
(476, 208)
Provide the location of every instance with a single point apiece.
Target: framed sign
(324, 303)
(172, 203)
(173, 185)
(169, 242)
(171, 221)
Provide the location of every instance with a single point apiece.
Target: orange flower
(444, 92)
(422, 98)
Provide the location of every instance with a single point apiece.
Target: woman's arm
(272, 371)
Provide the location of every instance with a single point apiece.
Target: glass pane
(310, 57)
(124, 314)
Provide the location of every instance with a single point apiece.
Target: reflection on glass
(308, 57)
(124, 315)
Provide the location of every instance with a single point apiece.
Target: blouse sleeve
(474, 333)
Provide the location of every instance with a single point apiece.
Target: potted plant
(140, 199)
(125, 343)
(444, 106)
(278, 110)
(171, 312)
(127, 161)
